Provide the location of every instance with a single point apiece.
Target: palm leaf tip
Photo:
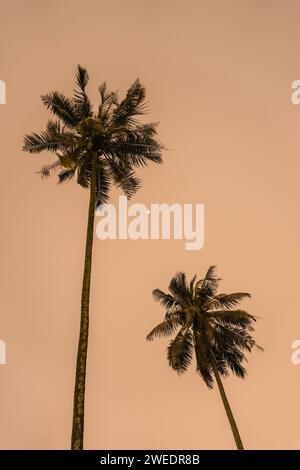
(82, 104)
(212, 273)
(137, 94)
(180, 351)
(82, 77)
(167, 300)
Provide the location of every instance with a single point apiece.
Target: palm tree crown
(120, 141)
(209, 326)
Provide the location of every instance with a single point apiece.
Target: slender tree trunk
(230, 417)
(79, 392)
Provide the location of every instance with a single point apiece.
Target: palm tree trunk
(79, 392)
(230, 417)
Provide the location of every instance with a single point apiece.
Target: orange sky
(218, 76)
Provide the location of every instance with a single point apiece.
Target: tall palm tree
(99, 148)
(210, 327)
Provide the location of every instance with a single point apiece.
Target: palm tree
(98, 148)
(209, 326)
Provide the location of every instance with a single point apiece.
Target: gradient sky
(218, 76)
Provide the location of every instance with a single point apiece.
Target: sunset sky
(218, 76)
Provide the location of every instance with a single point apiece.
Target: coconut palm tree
(210, 327)
(99, 149)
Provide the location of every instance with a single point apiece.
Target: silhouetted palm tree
(98, 149)
(209, 326)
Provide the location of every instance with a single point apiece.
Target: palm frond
(178, 287)
(177, 315)
(201, 346)
(234, 361)
(220, 362)
(236, 336)
(230, 358)
(166, 328)
(124, 177)
(82, 104)
(65, 175)
(84, 171)
(132, 105)
(62, 107)
(108, 99)
(103, 186)
(180, 351)
(211, 274)
(167, 300)
(224, 301)
(233, 317)
(36, 143)
(82, 78)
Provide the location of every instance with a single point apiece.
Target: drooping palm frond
(108, 99)
(209, 285)
(82, 104)
(202, 353)
(176, 315)
(103, 186)
(234, 361)
(84, 170)
(124, 177)
(180, 351)
(53, 139)
(114, 134)
(236, 336)
(229, 359)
